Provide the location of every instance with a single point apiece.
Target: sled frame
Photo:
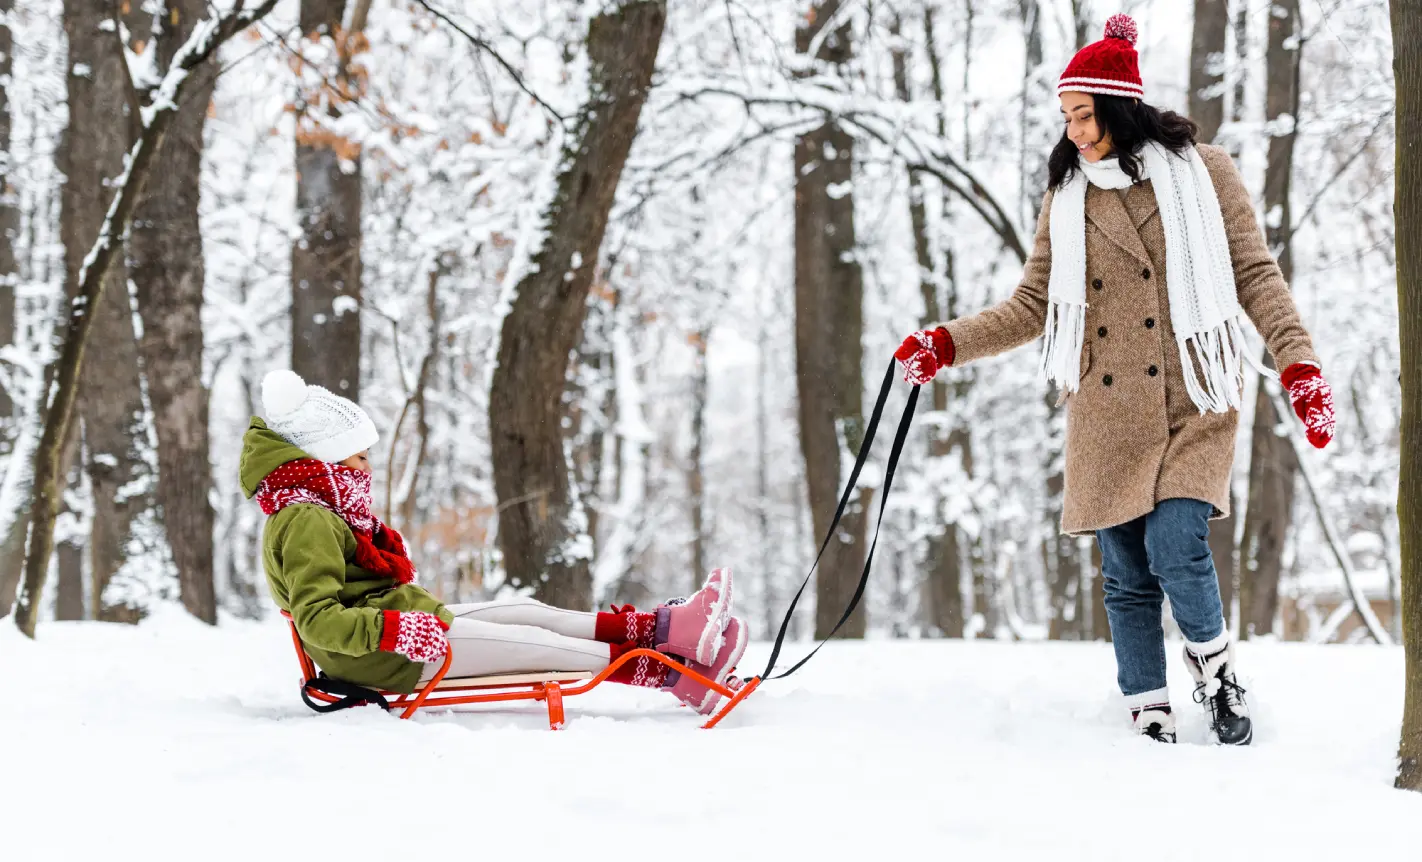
(550, 688)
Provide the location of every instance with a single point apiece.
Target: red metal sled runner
(550, 687)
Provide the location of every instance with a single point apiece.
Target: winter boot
(1156, 722)
(698, 696)
(692, 627)
(1151, 715)
(1212, 666)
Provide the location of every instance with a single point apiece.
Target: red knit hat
(1109, 66)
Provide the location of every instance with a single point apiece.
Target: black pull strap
(869, 431)
(349, 693)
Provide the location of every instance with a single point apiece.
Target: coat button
(1150, 323)
(1101, 333)
(1145, 273)
(1096, 283)
(1152, 371)
(1106, 380)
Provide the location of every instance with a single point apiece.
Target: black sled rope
(893, 463)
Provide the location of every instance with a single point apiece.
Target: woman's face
(1079, 112)
(359, 461)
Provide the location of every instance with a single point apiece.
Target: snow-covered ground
(173, 741)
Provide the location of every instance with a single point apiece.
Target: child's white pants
(520, 636)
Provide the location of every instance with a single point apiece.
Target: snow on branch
(483, 45)
(888, 123)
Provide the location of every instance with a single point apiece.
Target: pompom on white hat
(315, 420)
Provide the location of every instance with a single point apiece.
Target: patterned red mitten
(416, 635)
(1312, 398)
(923, 353)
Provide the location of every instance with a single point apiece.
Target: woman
(1146, 255)
(349, 585)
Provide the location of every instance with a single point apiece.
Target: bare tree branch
(483, 45)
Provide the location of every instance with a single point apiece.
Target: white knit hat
(320, 423)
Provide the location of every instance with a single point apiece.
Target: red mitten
(923, 353)
(1312, 398)
(416, 635)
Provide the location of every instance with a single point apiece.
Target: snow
(183, 736)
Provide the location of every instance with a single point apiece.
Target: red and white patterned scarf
(345, 491)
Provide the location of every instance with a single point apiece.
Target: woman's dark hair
(1130, 123)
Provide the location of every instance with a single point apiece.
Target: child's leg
(484, 649)
(530, 612)
(602, 627)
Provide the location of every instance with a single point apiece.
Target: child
(348, 582)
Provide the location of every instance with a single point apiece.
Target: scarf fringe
(1213, 363)
(1063, 338)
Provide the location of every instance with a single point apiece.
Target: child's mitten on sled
(416, 635)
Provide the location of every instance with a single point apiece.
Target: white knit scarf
(1204, 306)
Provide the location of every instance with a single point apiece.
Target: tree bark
(326, 259)
(96, 140)
(1207, 47)
(943, 576)
(1407, 207)
(829, 325)
(93, 277)
(1240, 72)
(9, 218)
(696, 477)
(542, 530)
(166, 257)
(1271, 463)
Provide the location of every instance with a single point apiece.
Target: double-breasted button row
(1107, 380)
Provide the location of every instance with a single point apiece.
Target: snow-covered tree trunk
(9, 218)
(1207, 45)
(1271, 461)
(166, 259)
(943, 576)
(696, 469)
(829, 327)
(326, 258)
(152, 122)
(1407, 69)
(101, 127)
(542, 526)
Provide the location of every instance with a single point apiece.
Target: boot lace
(1222, 703)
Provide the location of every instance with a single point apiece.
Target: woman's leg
(485, 649)
(1133, 605)
(1177, 543)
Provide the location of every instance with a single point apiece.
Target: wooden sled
(549, 687)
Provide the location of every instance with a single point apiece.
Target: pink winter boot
(692, 628)
(698, 696)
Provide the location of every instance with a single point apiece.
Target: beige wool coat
(1133, 436)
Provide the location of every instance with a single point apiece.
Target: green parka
(308, 553)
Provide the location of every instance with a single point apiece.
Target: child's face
(359, 461)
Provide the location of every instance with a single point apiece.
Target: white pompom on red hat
(1110, 67)
(318, 422)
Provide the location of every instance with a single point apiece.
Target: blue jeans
(1164, 553)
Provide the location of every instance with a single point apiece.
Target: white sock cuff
(1158, 697)
(1211, 646)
